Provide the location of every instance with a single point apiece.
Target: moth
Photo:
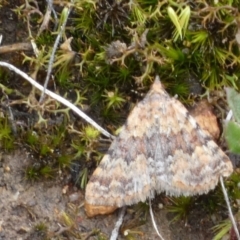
(160, 148)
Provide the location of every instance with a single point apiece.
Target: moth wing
(160, 148)
(187, 160)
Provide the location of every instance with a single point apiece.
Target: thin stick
(229, 209)
(58, 98)
(50, 64)
(153, 221)
(118, 224)
(24, 46)
(46, 18)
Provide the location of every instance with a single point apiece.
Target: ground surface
(25, 205)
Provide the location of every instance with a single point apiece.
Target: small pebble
(74, 197)
(7, 169)
(160, 206)
(65, 189)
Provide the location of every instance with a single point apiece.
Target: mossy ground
(117, 47)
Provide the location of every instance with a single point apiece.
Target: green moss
(32, 173)
(174, 39)
(6, 135)
(180, 207)
(65, 161)
(41, 227)
(45, 39)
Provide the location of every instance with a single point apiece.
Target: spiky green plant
(180, 207)
(32, 173)
(6, 136)
(222, 229)
(114, 99)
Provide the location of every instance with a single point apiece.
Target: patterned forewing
(187, 160)
(160, 148)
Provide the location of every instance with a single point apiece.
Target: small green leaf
(184, 18)
(233, 98)
(180, 22)
(63, 17)
(222, 229)
(233, 137)
(174, 18)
